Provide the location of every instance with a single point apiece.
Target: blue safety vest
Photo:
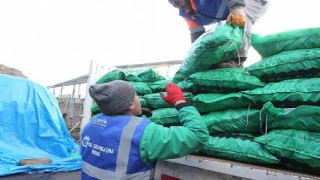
(208, 11)
(110, 148)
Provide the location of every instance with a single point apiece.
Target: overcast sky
(51, 41)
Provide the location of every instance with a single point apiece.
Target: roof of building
(78, 80)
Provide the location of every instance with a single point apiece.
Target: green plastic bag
(234, 121)
(209, 49)
(143, 102)
(117, 74)
(288, 93)
(302, 63)
(303, 117)
(158, 86)
(143, 75)
(132, 75)
(95, 109)
(186, 85)
(165, 116)
(141, 87)
(225, 80)
(296, 149)
(150, 75)
(269, 45)
(155, 100)
(238, 147)
(210, 102)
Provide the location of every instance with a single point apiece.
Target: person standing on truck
(242, 13)
(117, 144)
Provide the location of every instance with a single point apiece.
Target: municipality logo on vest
(86, 142)
(101, 123)
(96, 149)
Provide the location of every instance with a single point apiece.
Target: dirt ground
(11, 71)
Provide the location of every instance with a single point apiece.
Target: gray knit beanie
(113, 98)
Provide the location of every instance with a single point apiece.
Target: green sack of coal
(158, 86)
(302, 63)
(210, 102)
(303, 117)
(141, 87)
(235, 121)
(307, 38)
(143, 75)
(238, 147)
(288, 93)
(297, 149)
(165, 116)
(186, 85)
(155, 100)
(143, 102)
(95, 109)
(225, 80)
(117, 74)
(209, 49)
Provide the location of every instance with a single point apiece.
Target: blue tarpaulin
(31, 126)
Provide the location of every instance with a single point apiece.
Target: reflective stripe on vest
(125, 144)
(221, 9)
(99, 173)
(122, 157)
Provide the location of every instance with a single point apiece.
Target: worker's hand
(237, 16)
(174, 94)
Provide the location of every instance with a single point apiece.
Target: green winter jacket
(159, 142)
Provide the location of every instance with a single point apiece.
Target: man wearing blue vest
(117, 144)
(242, 13)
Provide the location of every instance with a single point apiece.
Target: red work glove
(174, 94)
(237, 16)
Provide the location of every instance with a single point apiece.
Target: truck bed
(192, 167)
